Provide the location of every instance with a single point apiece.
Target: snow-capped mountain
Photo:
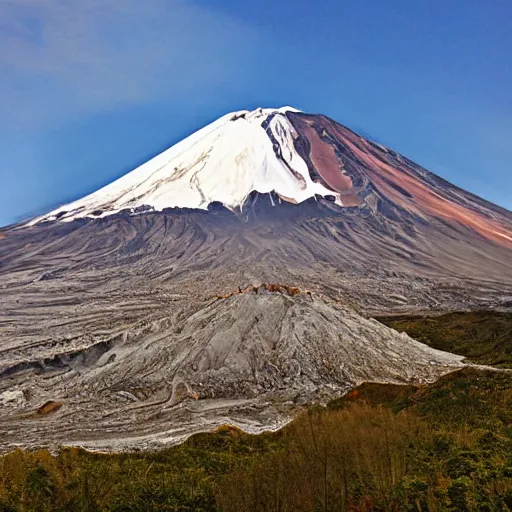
(224, 162)
(150, 311)
(293, 156)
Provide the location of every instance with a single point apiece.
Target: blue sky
(89, 89)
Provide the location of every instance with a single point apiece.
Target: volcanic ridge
(135, 316)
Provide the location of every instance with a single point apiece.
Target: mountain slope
(263, 195)
(297, 156)
(251, 358)
(223, 162)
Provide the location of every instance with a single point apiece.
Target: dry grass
(330, 456)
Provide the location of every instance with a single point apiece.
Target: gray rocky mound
(250, 359)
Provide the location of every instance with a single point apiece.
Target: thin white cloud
(61, 58)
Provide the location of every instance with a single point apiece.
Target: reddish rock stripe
(323, 157)
(396, 179)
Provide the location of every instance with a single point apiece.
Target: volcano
(230, 279)
(272, 194)
(295, 156)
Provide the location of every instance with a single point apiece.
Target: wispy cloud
(61, 58)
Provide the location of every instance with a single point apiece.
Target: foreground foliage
(484, 337)
(442, 447)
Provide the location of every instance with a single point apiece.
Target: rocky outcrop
(272, 288)
(251, 358)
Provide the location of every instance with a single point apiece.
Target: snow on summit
(241, 152)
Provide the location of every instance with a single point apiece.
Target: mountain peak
(293, 156)
(242, 152)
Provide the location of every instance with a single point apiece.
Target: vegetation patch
(483, 337)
